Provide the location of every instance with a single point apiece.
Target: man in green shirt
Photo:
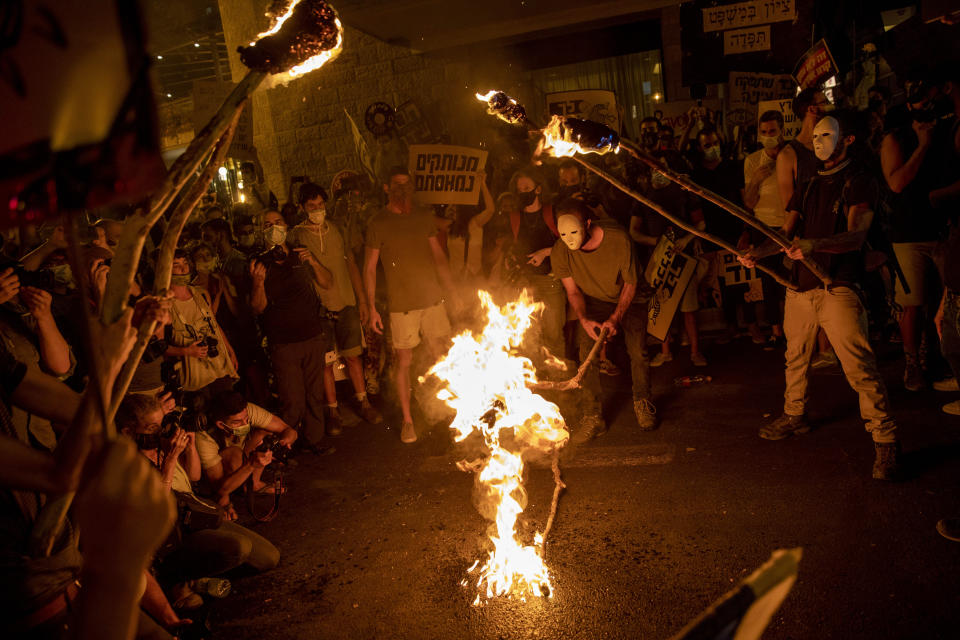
(596, 262)
(404, 238)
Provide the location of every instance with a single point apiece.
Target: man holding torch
(831, 216)
(596, 263)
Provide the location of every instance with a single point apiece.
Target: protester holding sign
(649, 230)
(595, 261)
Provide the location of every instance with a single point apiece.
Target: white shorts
(406, 327)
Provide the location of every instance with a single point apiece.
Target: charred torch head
(567, 136)
(503, 106)
(303, 31)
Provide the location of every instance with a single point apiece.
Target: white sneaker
(953, 408)
(948, 384)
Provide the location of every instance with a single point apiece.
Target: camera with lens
(271, 442)
(172, 382)
(155, 349)
(180, 418)
(42, 279)
(211, 344)
(273, 254)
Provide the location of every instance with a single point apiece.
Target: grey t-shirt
(404, 244)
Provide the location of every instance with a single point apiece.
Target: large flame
(564, 137)
(487, 384)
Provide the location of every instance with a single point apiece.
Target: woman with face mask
(209, 362)
(533, 232)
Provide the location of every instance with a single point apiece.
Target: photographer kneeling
(204, 548)
(240, 440)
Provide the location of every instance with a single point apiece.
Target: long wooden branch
(168, 246)
(138, 225)
(574, 382)
(723, 203)
(677, 221)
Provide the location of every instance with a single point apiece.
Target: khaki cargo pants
(842, 316)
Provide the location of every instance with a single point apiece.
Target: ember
(488, 386)
(305, 35)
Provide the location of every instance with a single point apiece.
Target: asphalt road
(652, 528)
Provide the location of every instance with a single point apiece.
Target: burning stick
(723, 203)
(561, 140)
(574, 382)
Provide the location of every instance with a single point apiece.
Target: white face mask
(770, 142)
(826, 137)
(571, 230)
(275, 235)
(317, 217)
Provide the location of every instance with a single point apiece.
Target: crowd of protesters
(284, 327)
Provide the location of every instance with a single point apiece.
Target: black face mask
(526, 198)
(568, 191)
(649, 139)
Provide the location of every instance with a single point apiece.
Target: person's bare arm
(33, 260)
(489, 205)
(190, 459)
(627, 293)
(579, 306)
(786, 173)
(359, 291)
(897, 172)
(859, 217)
(258, 292)
(636, 226)
(322, 275)
(288, 435)
(371, 257)
(55, 356)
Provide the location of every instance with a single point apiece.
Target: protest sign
(791, 125)
(446, 174)
(594, 104)
(676, 114)
(746, 14)
(669, 272)
(363, 152)
(735, 274)
(208, 95)
(747, 88)
(815, 66)
(746, 40)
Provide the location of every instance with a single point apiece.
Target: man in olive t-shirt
(596, 262)
(404, 239)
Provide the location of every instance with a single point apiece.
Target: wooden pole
(676, 221)
(723, 203)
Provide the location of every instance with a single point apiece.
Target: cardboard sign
(791, 125)
(747, 89)
(815, 66)
(446, 174)
(669, 272)
(676, 114)
(746, 14)
(361, 148)
(208, 95)
(746, 40)
(595, 104)
(735, 274)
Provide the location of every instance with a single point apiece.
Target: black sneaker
(334, 424)
(784, 427)
(886, 464)
(646, 415)
(590, 428)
